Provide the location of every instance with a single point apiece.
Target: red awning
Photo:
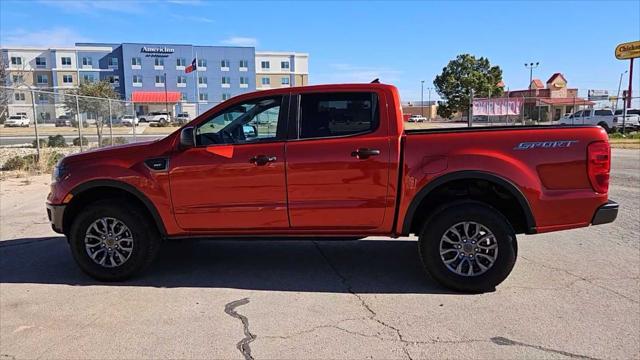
(155, 97)
(565, 101)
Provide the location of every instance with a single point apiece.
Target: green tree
(96, 103)
(459, 77)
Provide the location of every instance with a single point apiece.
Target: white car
(156, 117)
(632, 120)
(417, 118)
(601, 117)
(129, 120)
(17, 120)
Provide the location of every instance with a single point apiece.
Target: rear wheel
(112, 243)
(605, 127)
(468, 246)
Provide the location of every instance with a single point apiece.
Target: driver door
(234, 178)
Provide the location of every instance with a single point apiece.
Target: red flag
(192, 67)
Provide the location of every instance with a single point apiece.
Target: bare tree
(93, 101)
(4, 92)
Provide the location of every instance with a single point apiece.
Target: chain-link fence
(32, 117)
(568, 107)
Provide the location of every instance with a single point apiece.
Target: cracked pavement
(572, 294)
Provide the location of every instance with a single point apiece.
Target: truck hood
(132, 153)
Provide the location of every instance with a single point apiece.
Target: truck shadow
(337, 266)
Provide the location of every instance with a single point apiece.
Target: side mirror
(187, 138)
(250, 131)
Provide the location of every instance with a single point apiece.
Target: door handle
(364, 153)
(262, 160)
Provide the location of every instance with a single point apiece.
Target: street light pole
(531, 66)
(429, 102)
(618, 93)
(422, 98)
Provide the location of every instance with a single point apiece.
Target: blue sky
(399, 42)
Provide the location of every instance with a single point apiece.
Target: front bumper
(606, 213)
(55, 213)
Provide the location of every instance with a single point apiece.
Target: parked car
(417, 118)
(632, 119)
(129, 120)
(63, 120)
(600, 117)
(157, 118)
(183, 118)
(17, 121)
(466, 192)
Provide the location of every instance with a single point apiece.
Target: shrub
(43, 143)
(116, 141)
(76, 141)
(56, 141)
(14, 163)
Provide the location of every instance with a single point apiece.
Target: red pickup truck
(333, 161)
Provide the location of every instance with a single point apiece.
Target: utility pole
(166, 103)
(422, 98)
(630, 91)
(429, 102)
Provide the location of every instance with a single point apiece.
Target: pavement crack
(508, 342)
(242, 345)
(372, 314)
(582, 278)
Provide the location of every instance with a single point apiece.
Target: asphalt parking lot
(572, 294)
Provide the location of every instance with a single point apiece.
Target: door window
(253, 121)
(338, 114)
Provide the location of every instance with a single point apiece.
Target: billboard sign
(598, 95)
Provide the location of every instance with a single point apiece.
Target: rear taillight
(599, 165)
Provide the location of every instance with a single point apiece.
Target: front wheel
(468, 246)
(112, 243)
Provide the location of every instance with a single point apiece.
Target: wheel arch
(100, 189)
(468, 175)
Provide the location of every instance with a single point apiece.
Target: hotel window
(284, 65)
(202, 79)
(181, 62)
(88, 78)
(87, 61)
(137, 79)
(183, 96)
(226, 80)
(19, 96)
(113, 62)
(224, 63)
(45, 116)
(202, 63)
(159, 79)
(266, 81)
(41, 62)
(42, 79)
(66, 61)
(159, 62)
(114, 79)
(226, 96)
(244, 63)
(182, 79)
(43, 97)
(284, 81)
(204, 97)
(265, 64)
(136, 61)
(18, 79)
(244, 80)
(16, 60)
(67, 79)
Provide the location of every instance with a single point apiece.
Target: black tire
(446, 217)
(146, 240)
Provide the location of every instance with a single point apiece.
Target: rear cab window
(338, 114)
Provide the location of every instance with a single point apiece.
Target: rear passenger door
(338, 161)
